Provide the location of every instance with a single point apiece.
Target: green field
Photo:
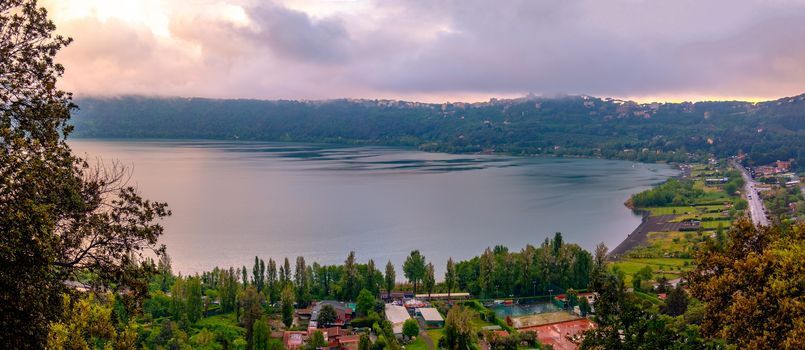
(631, 266)
(713, 224)
(671, 210)
(417, 344)
(436, 334)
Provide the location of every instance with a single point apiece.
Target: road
(756, 209)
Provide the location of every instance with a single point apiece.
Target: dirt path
(423, 333)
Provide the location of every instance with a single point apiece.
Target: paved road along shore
(756, 209)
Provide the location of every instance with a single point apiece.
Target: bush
(489, 315)
(366, 321)
(410, 328)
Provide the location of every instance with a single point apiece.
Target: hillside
(572, 125)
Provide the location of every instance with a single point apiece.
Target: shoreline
(640, 234)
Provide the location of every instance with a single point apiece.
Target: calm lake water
(234, 200)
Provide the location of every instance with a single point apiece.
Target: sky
(433, 50)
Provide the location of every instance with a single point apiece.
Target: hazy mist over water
(234, 200)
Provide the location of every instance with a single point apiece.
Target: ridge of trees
(563, 126)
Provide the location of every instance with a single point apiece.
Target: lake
(234, 200)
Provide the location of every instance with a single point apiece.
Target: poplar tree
(414, 268)
(349, 283)
(390, 278)
(429, 281)
(450, 276)
(302, 282)
(195, 306)
(271, 281)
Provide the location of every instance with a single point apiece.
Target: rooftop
(396, 315)
(430, 314)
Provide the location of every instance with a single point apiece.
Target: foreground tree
(252, 304)
(260, 335)
(752, 286)
(458, 331)
(410, 328)
(59, 216)
(89, 324)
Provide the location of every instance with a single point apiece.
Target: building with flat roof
(431, 316)
(397, 315)
(443, 296)
(293, 339)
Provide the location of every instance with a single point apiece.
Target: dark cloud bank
(448, 48)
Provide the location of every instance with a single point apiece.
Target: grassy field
(713, 224)
(478, 323)
(631, 266)
(671, 210)
(436, 334)
(417, 344)
(670, 251)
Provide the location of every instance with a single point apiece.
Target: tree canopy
(61, 217)
(752, 287)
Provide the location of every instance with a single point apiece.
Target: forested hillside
(573, 125)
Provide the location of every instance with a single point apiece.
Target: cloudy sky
(434, 50)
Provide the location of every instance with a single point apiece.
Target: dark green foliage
(252, 304)
(365, 302)
(287, 304)
(364, 343)
(302, 283)
(450, 276)
(260, 335)
(157, 305)
(458, 330)
(316, 341)
(644, 274)
(497, 342)
(677, 301)
(228, 289)
(672, 192)
(327, 315)
(390, 278)
(584, 306)
(258, 274)
(372, 277)
(414, 268)
(528, 272)
(272, 281)
(59, 217)
(366, 321)
(350, 284)
(627, 321)
(572, 125)
(754, 299)
(194, 303)
(429, 280)
(410, 328)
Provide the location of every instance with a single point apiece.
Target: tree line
(563, 126)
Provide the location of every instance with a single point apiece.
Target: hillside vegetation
(572, 125)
